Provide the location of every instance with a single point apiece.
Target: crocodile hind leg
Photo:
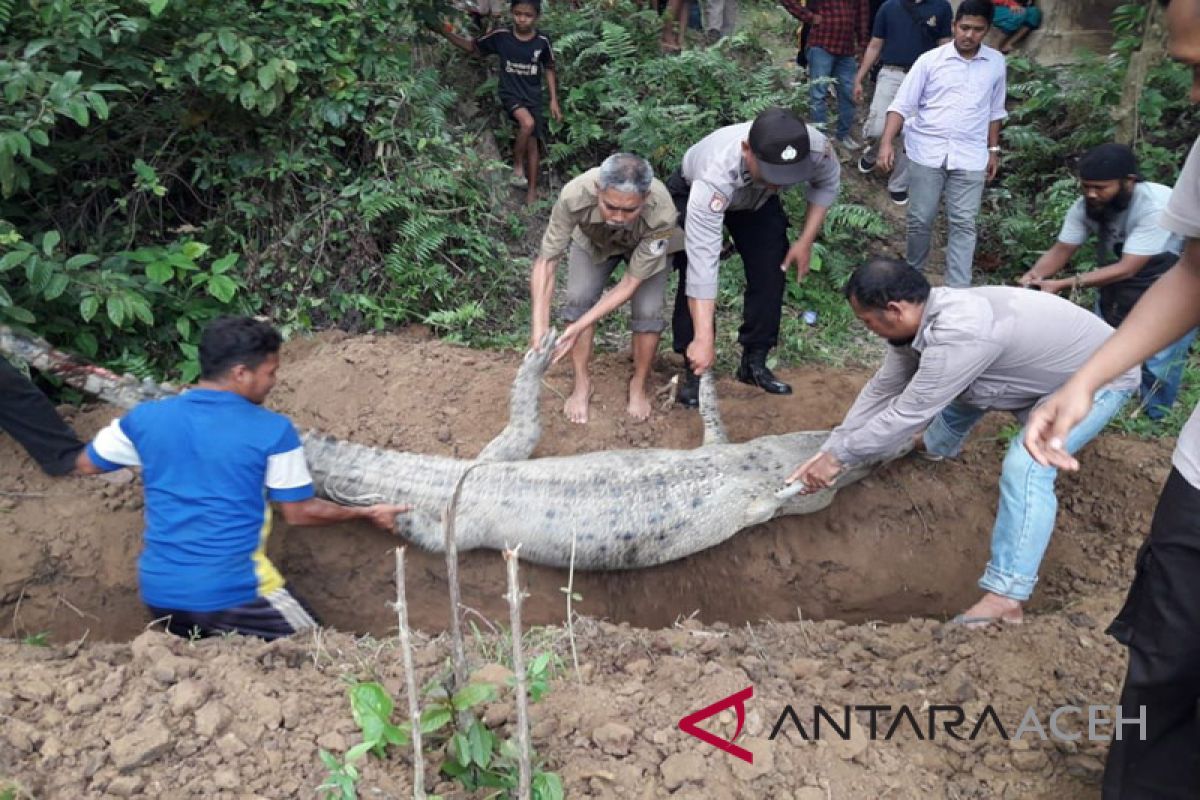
(520, 436)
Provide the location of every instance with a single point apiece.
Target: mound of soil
(163, 717)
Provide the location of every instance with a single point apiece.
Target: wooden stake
(525, 774)
(410, 679)
(449, 516)
(570, 610)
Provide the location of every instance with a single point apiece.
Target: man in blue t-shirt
(903, 30)
(213, 459)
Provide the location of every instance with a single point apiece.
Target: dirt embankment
(165, 718)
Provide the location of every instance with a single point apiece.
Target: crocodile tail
(520, 436)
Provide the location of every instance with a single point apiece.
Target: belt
(897, 66)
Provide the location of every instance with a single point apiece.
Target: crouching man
(213, 460)
(955, 355)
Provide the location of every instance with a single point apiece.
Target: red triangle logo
(738, 701)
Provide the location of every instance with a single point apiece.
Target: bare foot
(639, 402)
(530, 197)
(577, 406)
(992, 608)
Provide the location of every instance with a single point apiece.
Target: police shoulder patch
(658, 247)
(717, 202)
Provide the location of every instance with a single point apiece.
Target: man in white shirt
(950, 106)
(1160, 622)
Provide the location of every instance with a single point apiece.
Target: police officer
(616, 212)
(731, 178)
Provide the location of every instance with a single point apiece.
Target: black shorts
(273, 616)
(539, 124)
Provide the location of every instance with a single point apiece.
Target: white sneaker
(849, 143)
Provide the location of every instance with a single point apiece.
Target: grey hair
(625, 172)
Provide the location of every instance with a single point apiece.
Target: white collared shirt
(948, 102)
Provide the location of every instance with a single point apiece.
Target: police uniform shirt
(521, 65)
(720, 182)
(576, 217)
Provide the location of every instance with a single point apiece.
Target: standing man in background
(838, 32)
(903, 31)
(950, 105)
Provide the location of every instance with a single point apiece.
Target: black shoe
(754, 371)
(688, 394)
(865, 165)
(899, 198)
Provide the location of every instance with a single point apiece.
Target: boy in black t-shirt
(524, 53)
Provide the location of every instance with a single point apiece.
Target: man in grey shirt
(955, 355)
(732, 179)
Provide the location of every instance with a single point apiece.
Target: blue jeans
(1162, 374)
(823, 64)
(1028, 504)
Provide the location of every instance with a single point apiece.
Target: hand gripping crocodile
(620, 509)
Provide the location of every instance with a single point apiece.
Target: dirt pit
(907, 542)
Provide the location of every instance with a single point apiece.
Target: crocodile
(607, 510)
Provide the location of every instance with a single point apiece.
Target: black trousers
(28, 416)
(1160, 624)
(760, 238)
(279, 614)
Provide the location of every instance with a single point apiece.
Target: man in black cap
(731, 179)
(1123, 211)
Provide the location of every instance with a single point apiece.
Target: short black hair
(229, 341)
(976, 8)
(886, 280)
(535, 4)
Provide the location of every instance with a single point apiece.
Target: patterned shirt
(844, 28)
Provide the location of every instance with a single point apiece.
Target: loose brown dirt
(893, 555)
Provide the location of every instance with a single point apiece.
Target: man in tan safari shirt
(615, 212)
